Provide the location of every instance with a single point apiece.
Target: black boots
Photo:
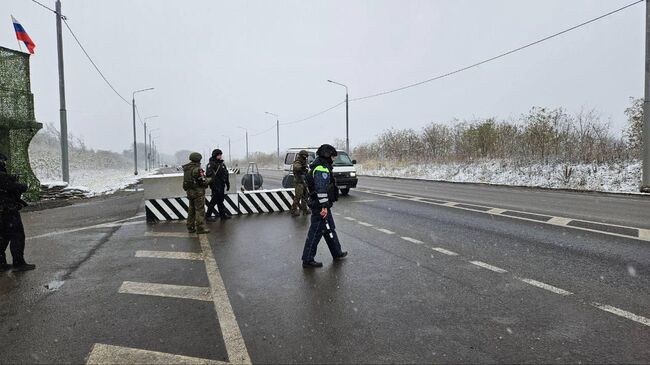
(312, 264)
(341, 256)
(22, 266)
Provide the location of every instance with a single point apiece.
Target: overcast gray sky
(217, 65)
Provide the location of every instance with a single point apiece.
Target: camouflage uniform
(194, 184)
(300, 169)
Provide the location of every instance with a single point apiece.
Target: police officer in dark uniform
(217, 170)
(323, 194)
(12, 232)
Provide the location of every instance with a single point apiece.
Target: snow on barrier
(250, 202)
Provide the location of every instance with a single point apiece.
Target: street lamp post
(247, 161)
(135, 142)
(152, 153)
(229, 155)
(277, 133)
(147, 156)
(347, 119)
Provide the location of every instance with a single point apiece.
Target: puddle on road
(54, 285)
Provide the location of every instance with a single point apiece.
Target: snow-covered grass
(94, 171)
(613, 177)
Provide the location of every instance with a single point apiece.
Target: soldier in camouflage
(300, 168)
(194, 184)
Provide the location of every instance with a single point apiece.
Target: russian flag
(22, 35)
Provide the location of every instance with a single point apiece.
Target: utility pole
(135, 143)
(277, 133)
(152, 156)
(645, 183)
(229, 155)
(146, 156)
(247, 160)
(347, 119)
(135, 146)
(63, 116)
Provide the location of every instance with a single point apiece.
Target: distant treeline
(542, 135)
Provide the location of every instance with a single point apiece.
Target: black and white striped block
(250, 202)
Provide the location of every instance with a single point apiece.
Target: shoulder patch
(325, 175)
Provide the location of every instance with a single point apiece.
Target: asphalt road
(424, 282)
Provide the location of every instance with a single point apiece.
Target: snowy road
(437, 273)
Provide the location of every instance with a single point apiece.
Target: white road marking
(108, 354)
(232, 337)
(644, 235)
(169, 255)
(170, 234)
(545, 286)
(622, 313)
(364, 224)
(496, 211)
(488, 266)
(363, 201)
(383, 230)
(166, 290)
(349, 218)
(559, 221)
(119, 223)
(413, 240)
(446, 252)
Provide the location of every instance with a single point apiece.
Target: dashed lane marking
(170, 255)
(442, 250)
(622, 313)
(364, 224)
(545, 286)
(363, 201)
(118, 223)
(170, 234)
(488, 266)
(644, 234)
(559, 221)
(349, 218)
(384, 230)
(596, 227)
(108, 354)
(166, 290)
(232, 337)
(413, 240)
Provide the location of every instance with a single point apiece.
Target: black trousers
(317, 230)
(218, 196)
(12, 234)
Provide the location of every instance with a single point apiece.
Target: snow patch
(623, 177)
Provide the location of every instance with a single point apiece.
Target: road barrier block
(249, 202)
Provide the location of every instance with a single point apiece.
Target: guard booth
(17, 122)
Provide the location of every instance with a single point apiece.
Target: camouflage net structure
(17, 123)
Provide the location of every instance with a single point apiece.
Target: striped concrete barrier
(249, 202)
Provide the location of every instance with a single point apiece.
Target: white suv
(345, 173)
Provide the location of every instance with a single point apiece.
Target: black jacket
(217, 170)
(11, 192)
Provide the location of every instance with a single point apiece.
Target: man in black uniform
(11, 225)
(217, 170)
(323, 194)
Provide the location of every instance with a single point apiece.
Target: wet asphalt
(397, 298)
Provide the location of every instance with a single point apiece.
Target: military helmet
(303, 154)
(195, 157)
(326, 151)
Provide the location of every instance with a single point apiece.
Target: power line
(46, 7)
(499, 55)
(314, 115)
(264, 131)
(93, 62)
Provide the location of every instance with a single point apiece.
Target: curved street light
(347, 120)
(135, 142)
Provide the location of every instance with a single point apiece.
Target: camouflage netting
(17, 123)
